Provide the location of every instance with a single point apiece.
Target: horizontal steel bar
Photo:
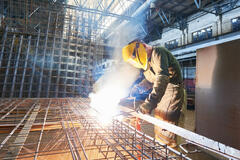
(22, 136)
(16, 105)
(200, 140)
(12, 132)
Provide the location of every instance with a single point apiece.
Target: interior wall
(217, 93)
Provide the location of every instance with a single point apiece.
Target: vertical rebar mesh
(46, 50)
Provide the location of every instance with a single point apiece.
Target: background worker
(167, 96)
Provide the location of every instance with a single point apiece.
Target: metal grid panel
(46, 52)
(53, 128)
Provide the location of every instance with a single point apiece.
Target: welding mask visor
(135, 54)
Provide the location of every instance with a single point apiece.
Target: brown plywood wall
(218, 93)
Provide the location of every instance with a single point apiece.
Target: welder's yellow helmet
(135, 54)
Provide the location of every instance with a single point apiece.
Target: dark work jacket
(165, 74)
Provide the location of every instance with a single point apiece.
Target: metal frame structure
(45, 128)
(70, 128)
(177, 13)
(191, 137)
(50, 48)
(46, 57)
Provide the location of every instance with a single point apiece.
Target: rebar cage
(46, 50)
(66, 128)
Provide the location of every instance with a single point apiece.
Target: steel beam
(99, 4)
(139, 11)
(161, 17)
(164, 15)
(198, 3)
(179, 3)
(83, 4)
(105, 10)
(233, 3)
(76, 2)
(99, 12)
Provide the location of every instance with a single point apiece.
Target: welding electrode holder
(135, 91)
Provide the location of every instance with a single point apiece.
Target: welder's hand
(145, 108)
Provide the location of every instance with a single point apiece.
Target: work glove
(146, 108)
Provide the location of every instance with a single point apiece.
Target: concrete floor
(187, 121)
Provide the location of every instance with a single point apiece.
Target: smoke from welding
(110, 89)
(115, 84)
(121, 74)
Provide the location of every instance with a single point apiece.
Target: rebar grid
(69, 128)
(46, 50)
(128, 142)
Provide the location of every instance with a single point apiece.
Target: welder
(162, 70)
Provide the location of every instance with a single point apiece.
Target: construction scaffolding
(69, 129)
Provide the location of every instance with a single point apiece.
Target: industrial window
(171, 44)
(202, 34)
(236, 24)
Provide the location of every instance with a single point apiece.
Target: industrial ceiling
(107, 18)
(151, 15)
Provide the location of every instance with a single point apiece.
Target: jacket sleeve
(145, 85)
(162, 78)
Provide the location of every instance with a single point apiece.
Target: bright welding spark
(106, 101)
